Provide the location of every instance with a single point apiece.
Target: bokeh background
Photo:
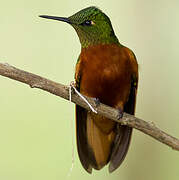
(35, 130)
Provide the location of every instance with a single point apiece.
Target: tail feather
(97, 146)
(121, 146)
(82, 144)
(99, 142)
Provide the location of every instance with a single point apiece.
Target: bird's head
(92, 26)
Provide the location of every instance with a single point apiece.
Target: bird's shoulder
(132, 59)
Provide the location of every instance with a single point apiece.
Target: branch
(35, 81)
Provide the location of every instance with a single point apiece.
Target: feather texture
(110, 73)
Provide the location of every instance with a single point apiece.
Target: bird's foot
(97, 102)
(120, 114)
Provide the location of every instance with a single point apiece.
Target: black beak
(56, 18)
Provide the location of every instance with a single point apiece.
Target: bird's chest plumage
(105, 73)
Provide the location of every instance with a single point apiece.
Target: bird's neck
(87, 41)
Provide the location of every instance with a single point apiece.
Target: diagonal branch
(35, 81)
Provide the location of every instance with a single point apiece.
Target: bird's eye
(87, 23)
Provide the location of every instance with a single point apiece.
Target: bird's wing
(81, 116)
(123, 135)
(130, 105)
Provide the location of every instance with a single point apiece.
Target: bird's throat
(90, 39)
(86, 42)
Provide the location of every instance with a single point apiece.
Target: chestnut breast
(106, 72)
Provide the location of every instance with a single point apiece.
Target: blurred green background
(35, 130)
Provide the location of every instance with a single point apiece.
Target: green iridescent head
(92, 26)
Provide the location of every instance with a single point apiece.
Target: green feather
(99, 32)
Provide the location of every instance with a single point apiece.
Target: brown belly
(112, 88)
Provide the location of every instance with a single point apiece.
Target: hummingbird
(107, 71)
